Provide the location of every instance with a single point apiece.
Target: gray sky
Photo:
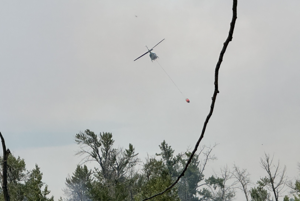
(67, 66)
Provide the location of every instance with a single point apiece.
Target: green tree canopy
(25, 184)
(78, 184)
(114, 173)
(259, 193)
(155, 178)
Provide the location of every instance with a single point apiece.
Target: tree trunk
(6, 152)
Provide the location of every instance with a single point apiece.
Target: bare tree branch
(276, 180)
(216, 91)
(228, 191)
(207, 157)
(242, 176)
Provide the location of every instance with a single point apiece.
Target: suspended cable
(187, 100)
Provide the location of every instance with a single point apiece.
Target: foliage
(259, 193)
(219, 187)
(115, 177)
(276, 178)
(34, 185)
(24, 184)
(114, 163)
(78, 184)
(16, 177)
(170, 161)
(217, 190)
(297, 190)
(187, 186)
(156, 177)
(114, 173)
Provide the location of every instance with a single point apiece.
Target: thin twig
(216, 91)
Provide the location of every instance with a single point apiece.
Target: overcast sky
(67, 66)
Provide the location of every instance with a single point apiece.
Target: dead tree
(6, 152)
(275, 179)
(242, 176)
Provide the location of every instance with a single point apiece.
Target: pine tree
(78, 184)
(34, 186)
(24, 184)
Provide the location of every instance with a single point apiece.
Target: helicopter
(152, 55)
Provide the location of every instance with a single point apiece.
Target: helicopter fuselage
(153, 56)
